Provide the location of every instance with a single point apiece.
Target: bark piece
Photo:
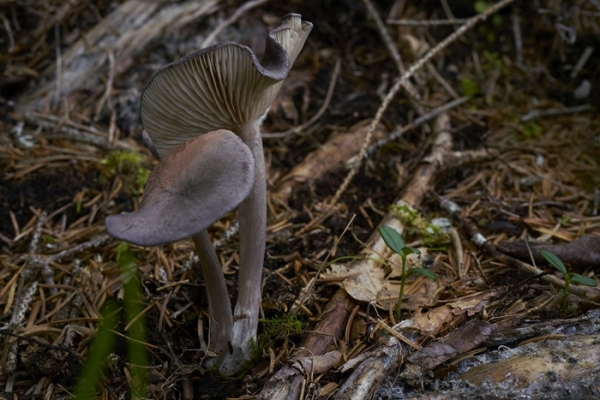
(125, 32)
(455, 343)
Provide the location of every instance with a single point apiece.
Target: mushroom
(189, 189)
(226, 87)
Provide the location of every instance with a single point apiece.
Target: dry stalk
(426, 22)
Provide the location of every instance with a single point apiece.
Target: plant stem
(401, 294)
(565, 291)
(219, 306)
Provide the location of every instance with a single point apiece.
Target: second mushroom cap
(189, 189)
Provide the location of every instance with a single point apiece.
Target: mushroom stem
(219, 306)
(253, 227)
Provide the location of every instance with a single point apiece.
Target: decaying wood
(568, 362)
(126, 32)
(459, 341)
(580, 253)
(511, 335)
(559, 361)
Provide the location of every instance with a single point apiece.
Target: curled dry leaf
(375, 281)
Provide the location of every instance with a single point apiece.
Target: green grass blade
(101, 348)
(134, 308)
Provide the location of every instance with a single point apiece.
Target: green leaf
(424, 272)
(554, 261)
(583, 280)
(392, 238)
(410, 250)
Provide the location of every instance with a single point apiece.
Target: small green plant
(481, 6)
(282, 327)
(395, 242)
(569, 277)
(492, 61)
(105, 339)
(532, 130)
(122, 161)
(95, 364)
(134, 311)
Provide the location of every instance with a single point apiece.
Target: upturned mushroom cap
(220, 87)
(189, 189)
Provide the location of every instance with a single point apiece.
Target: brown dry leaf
(418, 293)
(372, 281)
(430, 321)
(471, 305)
(363, 285)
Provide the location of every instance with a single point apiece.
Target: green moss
(469, 87)
(532, 130)
(122, 161)
(277, 328)
(129, 166)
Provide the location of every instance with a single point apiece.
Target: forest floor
(491, 154)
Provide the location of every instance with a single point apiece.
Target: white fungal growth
(479, 239)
